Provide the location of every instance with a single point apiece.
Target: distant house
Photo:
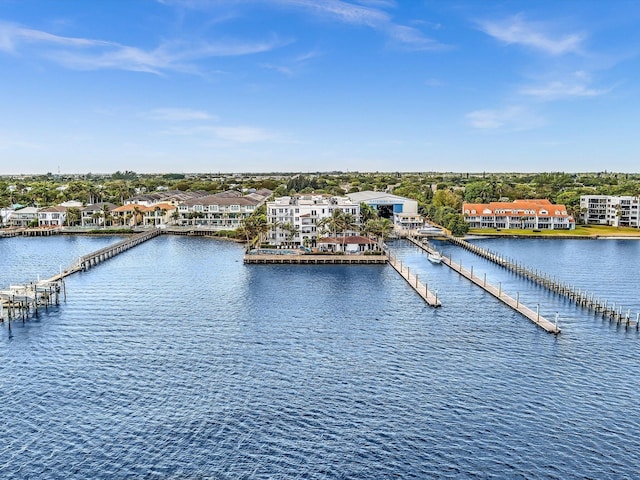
(537, 214)
(93, 215)
(23, 217)
(52, 216)
(5, 215)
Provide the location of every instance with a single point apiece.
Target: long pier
(580, 297)
(420, 288)
(20, 301)
(497, 292)
(91, 260)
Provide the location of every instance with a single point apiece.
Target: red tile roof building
(537, 214)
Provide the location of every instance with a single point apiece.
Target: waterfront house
(133, 215)
(52, 216)
(94, 215)
(618, 211)
(24, 217)
(536, 214)
(348, 244)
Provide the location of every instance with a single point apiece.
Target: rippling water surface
(175, 360)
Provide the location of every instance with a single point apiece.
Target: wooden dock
(497, 292)
(91, 260)
(420, 288)
(580, 297)
(306, 259)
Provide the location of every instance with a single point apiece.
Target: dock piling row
(577, 295)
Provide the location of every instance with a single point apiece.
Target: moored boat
(435, 257)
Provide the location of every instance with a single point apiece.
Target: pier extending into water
(583, 298)
(20, 301)
(420, 288)
(497, 292)
(91, 260)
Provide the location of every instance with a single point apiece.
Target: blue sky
(302, 85)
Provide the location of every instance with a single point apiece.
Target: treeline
(439, 194)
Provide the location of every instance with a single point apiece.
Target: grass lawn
(580, 230)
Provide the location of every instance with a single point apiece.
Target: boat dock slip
(273, 259)
(497, 292)
(419, 287)
(578, 296)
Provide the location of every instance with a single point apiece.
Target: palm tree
(106, 215)
(136, 215)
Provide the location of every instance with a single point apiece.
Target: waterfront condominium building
(220, 211)
(538, 214)
(304, 213)
(618, 211)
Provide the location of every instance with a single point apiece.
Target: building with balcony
(52, 216)
(617, 211)
(305, 214)
(221, 211)
(537, 214)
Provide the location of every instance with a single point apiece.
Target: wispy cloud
(511, 118)
(517, 31)
(89, 54)
(559, 90)
(234, 134)
(177, 114)
(574, 85)
(368, 13)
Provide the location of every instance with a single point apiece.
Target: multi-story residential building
(94, 215)
(303, 213)
(537, 214)
(134, 215)
(52, 216)
(618, 211)
(221, 211)
(23, 217)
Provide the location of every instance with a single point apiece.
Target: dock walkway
(420, 288)
(497, 292)
(578, 296)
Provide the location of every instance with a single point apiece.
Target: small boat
(434, 257)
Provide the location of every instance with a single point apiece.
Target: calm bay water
(175, 360)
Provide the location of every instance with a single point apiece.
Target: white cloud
(511, 118)
(516, 31)
(88, 54)
(558, 90)
(177, 114)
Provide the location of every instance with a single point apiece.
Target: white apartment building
(617, 211)
(304, 212)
